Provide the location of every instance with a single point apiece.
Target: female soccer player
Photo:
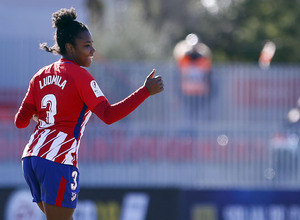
(62, 97)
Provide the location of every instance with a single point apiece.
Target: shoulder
(41, 71)
(80, 74)
(80, 77)
(82, 71)
(74, 69)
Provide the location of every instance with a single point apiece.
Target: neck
(68, 57)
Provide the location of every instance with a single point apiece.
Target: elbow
(108, 122)
(16, 122)
(20, 124)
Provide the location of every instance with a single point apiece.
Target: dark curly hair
(67, 29)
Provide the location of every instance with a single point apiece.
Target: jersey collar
(64, 60)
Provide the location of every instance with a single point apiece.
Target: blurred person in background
(194, 67)
(61, 98)
(293, 117)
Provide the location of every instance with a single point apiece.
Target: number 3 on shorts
(74, 185)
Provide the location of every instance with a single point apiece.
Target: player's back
(56, 95)
(57, 91)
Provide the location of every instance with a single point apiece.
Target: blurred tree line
(235, 30)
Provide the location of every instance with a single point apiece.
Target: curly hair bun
(63, 17)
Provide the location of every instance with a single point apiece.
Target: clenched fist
(154, 84)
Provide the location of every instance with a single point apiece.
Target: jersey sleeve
(27, 108)
(88, 89)
(112, 113)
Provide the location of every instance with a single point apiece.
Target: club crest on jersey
(52, 79)
(74, 195)
(96, 89)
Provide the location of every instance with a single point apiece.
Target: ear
(69, 48)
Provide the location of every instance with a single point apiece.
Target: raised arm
(112, 113)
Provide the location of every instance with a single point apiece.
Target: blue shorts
(53, 183)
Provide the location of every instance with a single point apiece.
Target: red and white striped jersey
(63, 95)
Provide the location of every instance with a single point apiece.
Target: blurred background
(220, 143)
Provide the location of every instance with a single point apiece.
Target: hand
(153, 84)
(35, 118)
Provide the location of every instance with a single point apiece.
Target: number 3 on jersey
(49, 101)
